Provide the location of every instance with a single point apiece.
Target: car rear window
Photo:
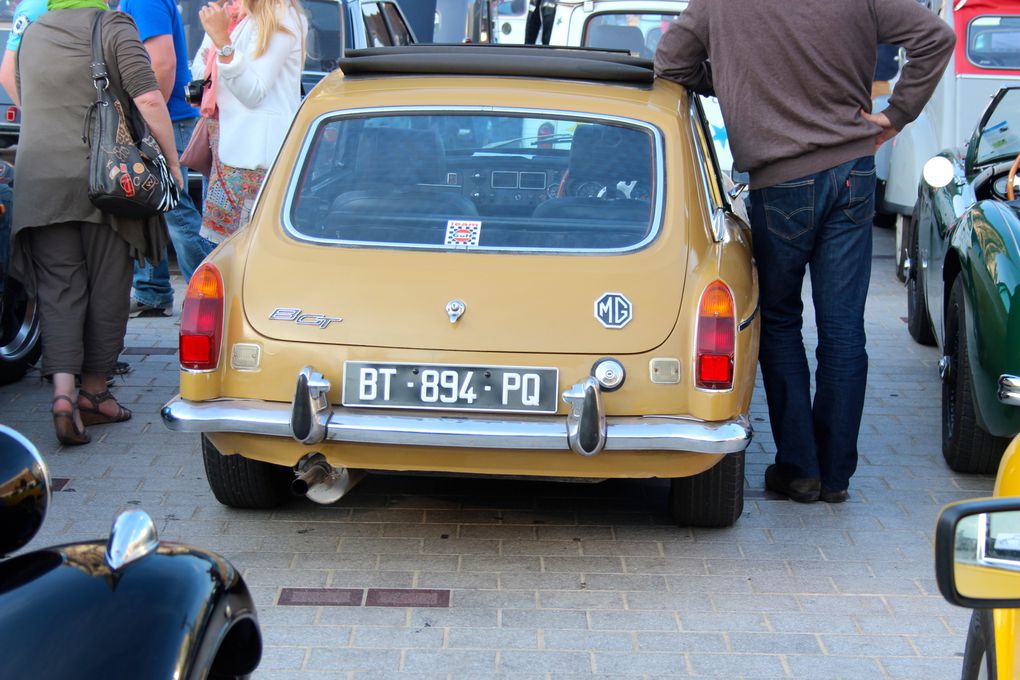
(484, 180)
(994, 42)
(637, 32)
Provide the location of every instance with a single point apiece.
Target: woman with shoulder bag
(253, 53)
(76, 259)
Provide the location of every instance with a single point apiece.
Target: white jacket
(257, 97)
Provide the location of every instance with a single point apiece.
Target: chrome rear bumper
(1009, 389)
(310, 419)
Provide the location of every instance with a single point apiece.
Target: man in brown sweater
(794, 84)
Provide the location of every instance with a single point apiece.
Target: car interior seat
(604, 155)
(392, 170)
(616, 37)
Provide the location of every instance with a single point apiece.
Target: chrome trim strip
(623, 433)
(660, 169)
(1009, 389)
(754, 312)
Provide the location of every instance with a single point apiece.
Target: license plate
(520, 389)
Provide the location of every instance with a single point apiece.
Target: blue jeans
(822, 221)
(152, 283)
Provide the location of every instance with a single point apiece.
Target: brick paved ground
(551, 580)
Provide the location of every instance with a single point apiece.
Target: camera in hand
(194, 91)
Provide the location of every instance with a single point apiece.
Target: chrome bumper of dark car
(586, 430)
(1009, 389)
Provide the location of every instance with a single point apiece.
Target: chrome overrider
(1009, 389)
(586, 430)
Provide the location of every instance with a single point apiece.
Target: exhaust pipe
(322, 483)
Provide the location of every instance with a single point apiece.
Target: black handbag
(128, 175)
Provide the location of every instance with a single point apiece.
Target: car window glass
(322, 45)
(518, 182)
(376, 33)
(639, 33)
(994, 42)
(512, 8)
(1000, 137)
(398, 28)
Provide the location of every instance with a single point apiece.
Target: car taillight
(12, 114)
(202, 320)
(716, 337)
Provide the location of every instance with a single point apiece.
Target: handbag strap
(100, 77)
(100, 74)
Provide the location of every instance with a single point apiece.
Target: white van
(987, 57)
(636, 26)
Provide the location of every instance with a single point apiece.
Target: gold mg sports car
(480, 260)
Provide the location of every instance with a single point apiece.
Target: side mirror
(977, 553)
(24, 490)
(938, 172)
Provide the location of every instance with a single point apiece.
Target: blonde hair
(266, 15)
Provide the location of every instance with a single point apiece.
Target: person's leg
(840, 274)
(185, 221)
(548, 16)
(532, 25)
(152, 287)
(109, 271)
(62, 291)
(783, 226)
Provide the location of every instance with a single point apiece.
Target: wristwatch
(225, 51)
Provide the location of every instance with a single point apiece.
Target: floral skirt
(230, 195)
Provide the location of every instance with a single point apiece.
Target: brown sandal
(94, 416)
(66, 429)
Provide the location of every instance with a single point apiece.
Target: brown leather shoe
(804, 490)
(64, 426)
(93, 415)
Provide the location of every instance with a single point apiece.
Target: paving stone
(632, 620)
(482, 663)
(684, 642)
(492, 638)
(398, 638)
(588, 640)
(543, 618)
(546, 661)
(353, 659)
(654, 664)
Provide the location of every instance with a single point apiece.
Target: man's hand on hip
(881, 120)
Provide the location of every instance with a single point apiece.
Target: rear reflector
(202, 320)
(716, 338)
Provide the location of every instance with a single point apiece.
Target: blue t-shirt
(161, 17)
(27, 12)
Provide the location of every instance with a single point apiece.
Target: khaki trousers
(83, 273)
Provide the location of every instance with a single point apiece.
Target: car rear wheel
(240, 482)
(918, 321)
(19, 333)
(714, 498)
(965, 445)
(979, 653)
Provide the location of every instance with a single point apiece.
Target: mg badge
(455, 308)
(613, 310)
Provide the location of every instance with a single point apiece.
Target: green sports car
(963, 285)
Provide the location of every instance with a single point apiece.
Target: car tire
(20, 346)
(240, 482)
(979, 652)
(918, 321)
(882, 219)
(965, 445)
(713, 498)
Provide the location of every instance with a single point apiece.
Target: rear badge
(462, 233)
(613, 310)
(301, 318)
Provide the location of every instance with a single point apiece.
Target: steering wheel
(1010, 178)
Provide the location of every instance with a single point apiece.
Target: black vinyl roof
(530, 61)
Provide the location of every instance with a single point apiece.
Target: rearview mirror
(977, 553)
(24, 490)
(938, 172)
